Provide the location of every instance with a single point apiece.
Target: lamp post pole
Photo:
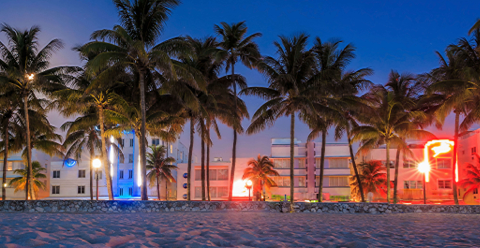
(96, 175)
(97, 164)
(248, 185)
(424, 190)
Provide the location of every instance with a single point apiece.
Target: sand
(238, 229)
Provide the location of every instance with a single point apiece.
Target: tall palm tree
(386, 122)
(472, 181)
(235, 46)
(131, 46)
(81, 134)
(20, 183)
(372, 178)
(160, 168)
(289, 91)
(260, 171)
(25, 67)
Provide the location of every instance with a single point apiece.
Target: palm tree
(372, 178)
(235, 46)
(160, 168)
(260, 171)
(20, 182)
(386, 122)
(472, 181)
(131, 46)
(25, 67)
(289, 91)
(81, 134)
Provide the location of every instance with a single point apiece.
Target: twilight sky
(399, 35)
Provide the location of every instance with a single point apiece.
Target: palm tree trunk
(158, 188)
(190, 153)
(234, 147)
(5, 161)
(143, 154)
(92, 154)
(395, 181)
(166, 189)
(208, 165)
(104, 153)
(354, 164)
(388, 170)
(28, 183)
(322, 165)
(203, 168)
(292, 149)
(454, 167)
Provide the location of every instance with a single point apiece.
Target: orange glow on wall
(438, 147)
(239, 188)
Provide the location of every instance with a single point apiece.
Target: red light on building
(433, 149)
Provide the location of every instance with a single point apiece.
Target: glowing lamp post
(96, 164)
(424, 167)
(248, 185)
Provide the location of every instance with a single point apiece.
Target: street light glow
(31, 76)
(97, 163)
(438, 147)
(249, 183)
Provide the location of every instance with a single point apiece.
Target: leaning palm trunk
(322, 165)
(395, 184)
(104, 154)
(92, 154)
(190, 151)
(354, 164)
(28, 183)
(208, 165)
(454, 167)
(158, 188)
(203, 169)
(5, 159)
(292, 147)
(388, 170)
(234, 147)
(166, 189)
(143, 154)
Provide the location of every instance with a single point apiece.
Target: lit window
(55, 190)
(282, 181)
(56, 174)
(444, 163)
(171, 148)
(444, 184)
(81, 173)
(81, 190)
(301, 163)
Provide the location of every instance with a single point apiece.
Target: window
(131, 142)
(301, 163)
(130, 174)
(282, 181)
(222, 192)
(198, 192)
(213, 192)
(412, 185)
(392, 163)
(198, 175)
(409, 164)
(475, 191)
(474, 150)
(130, 191)
(121, 174)
(81, 190)
(222, 174)
(120, 193)
(122, 142)
(130, 158)
(444, 163)
(9, 166)
(155, 142)
(301, 182)
(56, 174)
(100, 175)
(178, 155)
(338, 163)
(55, 190)
(281, 163)
(444, 184)
(338, 181)
(171, 148)
(81, 173)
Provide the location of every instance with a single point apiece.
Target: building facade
(306, 173)
(469, 144)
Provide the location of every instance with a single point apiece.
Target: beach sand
(238, 229)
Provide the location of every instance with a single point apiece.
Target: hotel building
(306, 173)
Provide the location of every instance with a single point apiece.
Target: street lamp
(248, 185)
(96, 164)
(424, 167)
(31, 76)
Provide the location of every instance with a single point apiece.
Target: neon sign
(438, 147)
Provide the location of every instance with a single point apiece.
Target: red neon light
(438, 147)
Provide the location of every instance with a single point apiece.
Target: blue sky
(399, 35)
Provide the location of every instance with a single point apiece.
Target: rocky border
(83, 206)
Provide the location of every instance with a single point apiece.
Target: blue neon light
(184, 185)
(185, 175)
(185, 196)
(69, 162)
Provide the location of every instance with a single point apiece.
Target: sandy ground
(239, 229)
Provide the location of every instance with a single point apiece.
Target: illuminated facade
(469, 144)
(306, 173)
